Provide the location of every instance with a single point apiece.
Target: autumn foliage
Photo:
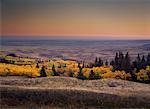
(99, 70)
(23, 70)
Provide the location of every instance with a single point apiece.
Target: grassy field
(65, 92)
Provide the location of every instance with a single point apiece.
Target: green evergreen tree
(127, 63)
(106, 63)
(139, 66)
(37, 65)
(115, 62)
(54, 73)
(96, 62)
(80, 73)
(43, 72)
(100, 62)
(112, 63)
(143, 63)
(93, 76)
(121, 61)
(83, 66)
(79, 66)
(133, 76)
(148, 60)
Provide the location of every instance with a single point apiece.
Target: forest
(121, 67)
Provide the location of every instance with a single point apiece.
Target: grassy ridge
(67, 98)
(46, 92)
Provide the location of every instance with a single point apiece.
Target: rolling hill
(65, 92)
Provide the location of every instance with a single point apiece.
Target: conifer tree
(143, 62)
(133, 76)
(83, 65)
(116, 62)
(100, 62)
(138, 58)
(42, 72)
(96, 62)
(127, 65)
(54, 71)
(80, 73)
(112, 63)
(116, 57)
(148, 60)
(79, 66)
(106, 63)
(121, 61)
(139, 66)
(37, 65)
(93, 76)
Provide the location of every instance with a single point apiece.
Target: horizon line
(63, 37)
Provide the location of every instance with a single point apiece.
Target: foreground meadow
(66, 92)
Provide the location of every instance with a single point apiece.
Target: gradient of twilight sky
(76, 19)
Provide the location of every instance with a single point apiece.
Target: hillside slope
(71, 93)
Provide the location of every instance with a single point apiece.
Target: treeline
(121, 62)
(124, 62)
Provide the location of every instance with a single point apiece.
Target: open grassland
(66, 92)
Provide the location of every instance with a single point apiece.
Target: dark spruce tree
(54, 73)
(134, 65)
(143, 63)
(140, 63)
(79, 66)
(133, 76)
(148, 60)
(80, 73)
(139, 66)
(83, 66)
(96, 62)
(121, 61)
(91, 65)
(43, 72)
(118, 63)
(93, 76)
(100, 62)
(112, 63)
(127, 63)
(106, 63)
(115, 63)
(37, 65)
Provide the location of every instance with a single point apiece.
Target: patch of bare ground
(65, 92)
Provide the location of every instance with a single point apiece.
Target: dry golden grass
(66, 92)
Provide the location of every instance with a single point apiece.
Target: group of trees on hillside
(123, 62)
(120, 62)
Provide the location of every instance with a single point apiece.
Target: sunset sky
(76, 19)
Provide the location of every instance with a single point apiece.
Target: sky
(76, 19)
